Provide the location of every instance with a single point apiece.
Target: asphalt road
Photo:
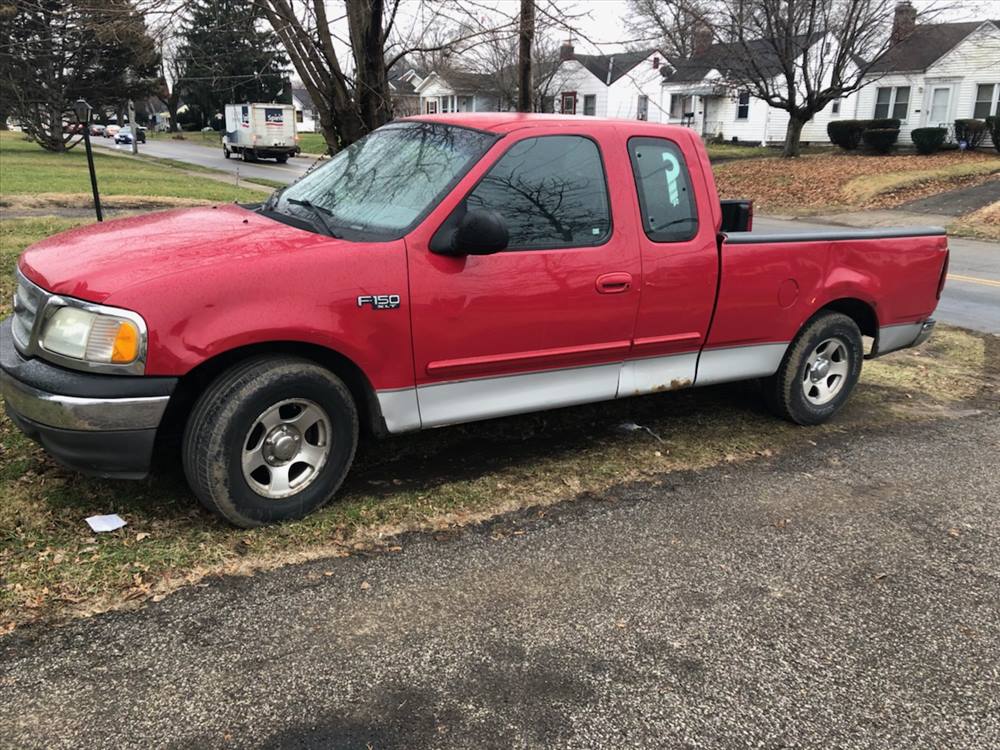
(844, 595)
(971, 297)
(201, 155)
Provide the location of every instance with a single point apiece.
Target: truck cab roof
(505, 122)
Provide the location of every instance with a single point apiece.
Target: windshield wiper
(317, 212)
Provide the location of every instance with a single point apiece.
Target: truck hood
(95, 261)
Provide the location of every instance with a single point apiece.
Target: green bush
(993, 126)
(846, 133)
(973, 132)
(880, 139)
(887, 123)
(928, 140)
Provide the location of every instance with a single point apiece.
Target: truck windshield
(382, 185)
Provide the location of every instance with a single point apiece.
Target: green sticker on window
(672, 171)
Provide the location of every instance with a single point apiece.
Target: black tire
(791, 393)
(248, 155)
(219, 427)
(281, 159)
(225, 152)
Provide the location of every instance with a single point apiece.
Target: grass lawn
(841, 180)
(31, 175)
(52, 566)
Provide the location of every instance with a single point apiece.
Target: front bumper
(98, 424)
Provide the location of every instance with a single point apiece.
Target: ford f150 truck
(444, 269)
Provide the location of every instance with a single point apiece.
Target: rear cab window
(662, 180)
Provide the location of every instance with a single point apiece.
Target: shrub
(846, 133)
(887, 123)
(928, 140)
(973, 132)
(880, 139)
(993, 126)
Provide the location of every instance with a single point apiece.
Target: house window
(835, 107)
(642, 110)
(677, 106)
(987, 95)
(431, 107)
(892, 101)
(590, 104)
(550, 191)
(743, 106)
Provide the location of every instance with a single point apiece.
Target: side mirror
(480, 232)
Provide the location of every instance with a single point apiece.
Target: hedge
(928, 140)
(880, 139)
(973, 132)
(993, 125)
(846, 133)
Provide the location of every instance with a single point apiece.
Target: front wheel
(225, 152)
(818, 372)
(270, 440)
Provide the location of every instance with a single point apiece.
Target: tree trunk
(173, 104)
(526, 37)
(792, 135)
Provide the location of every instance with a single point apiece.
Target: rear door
(547, 322)
(680, 262)
(274, 125)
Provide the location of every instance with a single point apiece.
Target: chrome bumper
(78, 413)
(896, 337)
(926, 329)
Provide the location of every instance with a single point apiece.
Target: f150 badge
(379, 301)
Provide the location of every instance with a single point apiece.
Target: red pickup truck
(444, 269)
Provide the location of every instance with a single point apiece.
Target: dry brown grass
(984, 223)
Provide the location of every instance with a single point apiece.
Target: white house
(935, 74)
(306, 116)
(696, 92)
(457, 91)
(931, 75)
(624, 84)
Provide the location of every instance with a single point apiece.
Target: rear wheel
(270, 440)
(225, 152)
(281, 159)
(818, 372)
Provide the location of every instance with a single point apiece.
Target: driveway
(844, 595)
(203, 156)
(971, 297)
(957, 202)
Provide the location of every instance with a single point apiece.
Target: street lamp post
(83, 110)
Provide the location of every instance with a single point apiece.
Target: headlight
(92, 337)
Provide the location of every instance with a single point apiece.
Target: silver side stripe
(485, 398)
(891, 338)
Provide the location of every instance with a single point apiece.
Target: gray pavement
(971, 297)
(844, 595)
(201, 155)
(957, 202)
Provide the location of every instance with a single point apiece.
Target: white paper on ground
(106, 523)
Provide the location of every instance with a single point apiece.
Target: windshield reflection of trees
(550, 191)
(393, 175)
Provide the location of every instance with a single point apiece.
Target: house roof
(302, 94)
(927, 44)
(462, 81)
(733, 59)
(609, 68)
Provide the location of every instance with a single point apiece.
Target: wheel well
(860, 312)
(194, 383)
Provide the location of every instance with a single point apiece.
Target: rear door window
(669, 213)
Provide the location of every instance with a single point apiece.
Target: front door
(568, 103)
(548, 321)
(940, 106)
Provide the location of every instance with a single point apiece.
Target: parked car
(444, 269)
(125, 135)
(96, 129)
(110, 131)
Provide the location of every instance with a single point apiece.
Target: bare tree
(795, 55)
(673, 27)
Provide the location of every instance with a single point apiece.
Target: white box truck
(255, 131)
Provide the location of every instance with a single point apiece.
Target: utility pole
(526, 37)
(132, 124)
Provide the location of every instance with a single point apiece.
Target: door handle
(613, 283)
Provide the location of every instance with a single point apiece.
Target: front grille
(28, 300)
